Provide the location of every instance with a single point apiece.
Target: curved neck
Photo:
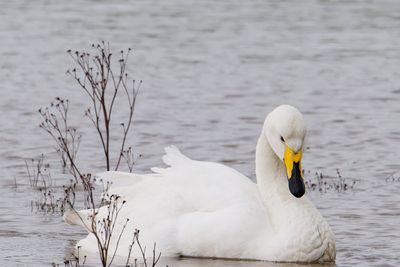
(270, 170)
(272, 183)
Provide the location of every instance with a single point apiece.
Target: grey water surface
(212, 70)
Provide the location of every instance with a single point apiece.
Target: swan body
(204, 209)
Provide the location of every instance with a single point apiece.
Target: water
(211, 72)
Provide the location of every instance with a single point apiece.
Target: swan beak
(293, 168)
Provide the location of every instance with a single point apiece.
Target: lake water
(212, 70)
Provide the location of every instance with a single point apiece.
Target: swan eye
(282, 139)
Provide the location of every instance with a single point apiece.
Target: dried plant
(69, 196)
(325, 183)
(72, 261)
(103, 229)
(41, 181)
(67, 139)
(46, 202)
(129, 158)
(392, 177)
(96, 76)
(155, 257)
(38, 173)
(49, 199)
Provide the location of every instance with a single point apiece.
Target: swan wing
(205, 185)
(191, 208)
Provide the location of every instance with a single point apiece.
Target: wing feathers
(174, 156)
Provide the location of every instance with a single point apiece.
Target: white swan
(204, 209)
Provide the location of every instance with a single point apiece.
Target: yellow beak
(290, 158)
(294, 173)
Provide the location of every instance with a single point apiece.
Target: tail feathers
(174, 156)
(81, 218)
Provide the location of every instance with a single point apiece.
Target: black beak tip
(298, 192)
(296, 186)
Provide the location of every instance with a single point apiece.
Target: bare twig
(38, 173)
(128, 156)
(67, 139)
(96, 76)
(119, 239)
(103, 84)
(155, 257)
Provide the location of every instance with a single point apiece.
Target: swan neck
(271, 177)
(270, 170)
(273, 184)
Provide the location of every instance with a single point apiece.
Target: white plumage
(204, 209)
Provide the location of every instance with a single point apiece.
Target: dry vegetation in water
(392, 177)
(104, 82)
(48, 198)
(326, 183)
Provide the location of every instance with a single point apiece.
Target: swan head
(285, 131)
